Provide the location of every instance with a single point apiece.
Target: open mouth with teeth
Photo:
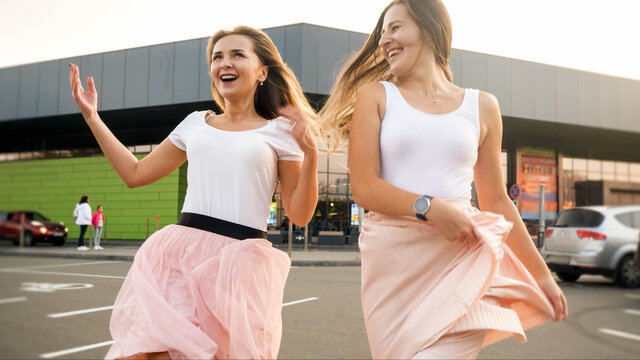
(393, 53)
(228, 78)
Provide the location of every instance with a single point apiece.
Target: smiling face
(402, 42)
(235, 68)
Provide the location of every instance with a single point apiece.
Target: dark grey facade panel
(567, 95)
(629, 106)
(545, 92)
(161, 74)
(66, 105)
(204, 80)
(186, 71)
(9, 78)
(308, 74)
(277, 36)
(136, 83)
(333, 51)
(474, 70)
(499, 81)
(356, 42)
(112, 96)
(91, 65)
(522, 89)
(48, 87)
(609, 89)
(293, 49)
(588, 99)
(455, 65)
(28, 91)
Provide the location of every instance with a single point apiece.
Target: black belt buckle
(220, 227)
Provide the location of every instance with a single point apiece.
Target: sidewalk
(126, 250)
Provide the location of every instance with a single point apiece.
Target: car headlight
(66, 229)
(36, 223)
(43, 230)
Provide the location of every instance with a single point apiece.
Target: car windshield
(579, 218)
(35, 216)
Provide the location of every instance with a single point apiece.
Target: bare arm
(159, 163)
(374, 193)
(299, 181)
(492, 196)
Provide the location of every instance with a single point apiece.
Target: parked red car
(37, 228)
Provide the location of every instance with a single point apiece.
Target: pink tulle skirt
(417, 286)
(200, 295)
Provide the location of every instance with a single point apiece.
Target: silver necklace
(435, 98)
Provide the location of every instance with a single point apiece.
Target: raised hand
(87, 101)
(299, 127)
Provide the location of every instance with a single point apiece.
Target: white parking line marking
(60, 265)
(633, 296)
(58, 273)
(75, 350)
(620, 334)
(632, 312)
(12, 300)
(299, 301)
(78, 312)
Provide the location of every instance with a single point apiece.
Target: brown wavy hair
(280, 87)
(368, 65)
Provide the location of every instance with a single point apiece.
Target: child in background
(97, 220)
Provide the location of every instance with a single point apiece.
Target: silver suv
(594, 240)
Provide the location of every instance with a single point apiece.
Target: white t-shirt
(231, 175)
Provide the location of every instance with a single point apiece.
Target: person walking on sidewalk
(211, 286)
(82, 217)
(440, 278)
(97, 220)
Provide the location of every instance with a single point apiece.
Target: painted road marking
(620, 334)
(75, 350)
(633, 296)
(12, 300)
(49, 287)
(299, 301)
(78, 312)
(58, 273)
(632, 312)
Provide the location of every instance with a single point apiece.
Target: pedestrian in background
(212, 285)
(82, 216)
(440, 278)
(97, 220)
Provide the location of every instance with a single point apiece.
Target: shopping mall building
(576, 132)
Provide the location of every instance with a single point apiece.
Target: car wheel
(29, 240)
(627, 275)
(568, 276)
(58, 242)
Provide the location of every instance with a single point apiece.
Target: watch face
(421, 205)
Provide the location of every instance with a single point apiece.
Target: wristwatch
(421, 206)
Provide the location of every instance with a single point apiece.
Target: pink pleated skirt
(417, 286)
(200, 295)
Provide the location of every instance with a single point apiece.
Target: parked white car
(594, 240)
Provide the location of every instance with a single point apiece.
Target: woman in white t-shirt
(82, 216)
(212, 286)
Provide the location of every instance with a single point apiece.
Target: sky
(592, 35)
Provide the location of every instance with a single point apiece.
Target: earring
(261, 83)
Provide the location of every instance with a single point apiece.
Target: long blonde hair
(368, 65)
(280, 87)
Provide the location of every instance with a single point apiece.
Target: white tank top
(430, 154)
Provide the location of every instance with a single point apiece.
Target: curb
(89, 256)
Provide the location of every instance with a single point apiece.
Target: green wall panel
(54, 186)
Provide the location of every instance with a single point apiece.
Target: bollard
(146, 237)
(290, 237)
(104, 230)
(306, 237)
(21, 230)
(157, 222)
(541, 216)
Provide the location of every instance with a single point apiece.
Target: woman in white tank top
(440, 279)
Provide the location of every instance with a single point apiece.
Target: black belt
(220, 227)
